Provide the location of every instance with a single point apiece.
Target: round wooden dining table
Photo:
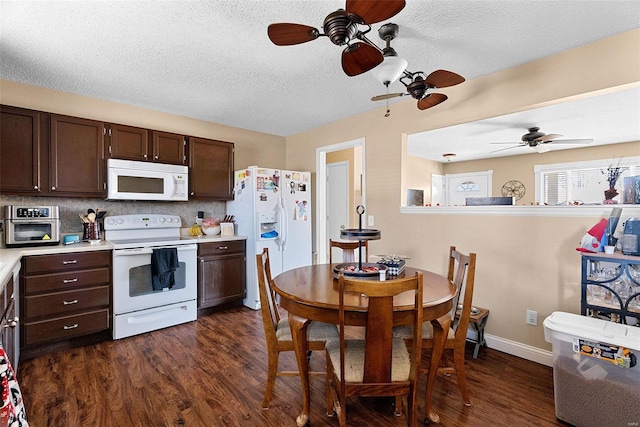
(311, 293)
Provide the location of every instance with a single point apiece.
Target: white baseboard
(515, 348)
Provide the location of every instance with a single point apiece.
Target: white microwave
(131, 180)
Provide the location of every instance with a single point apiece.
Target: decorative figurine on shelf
(613, 174)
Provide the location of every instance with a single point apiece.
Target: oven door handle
(148, 251)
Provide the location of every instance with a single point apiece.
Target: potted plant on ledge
(613, 174)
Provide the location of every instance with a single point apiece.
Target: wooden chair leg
(330, 410)
(398, 407)
(461, 374)
(272, 371)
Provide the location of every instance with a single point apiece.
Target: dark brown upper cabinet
(132, 143)
(128, 143)
(77, 157)
(169, 148)
(24, 165)
(210, 169)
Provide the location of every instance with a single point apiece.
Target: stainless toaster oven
(31, 225)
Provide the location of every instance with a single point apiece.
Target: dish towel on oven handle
(164, 262)
(12, 412)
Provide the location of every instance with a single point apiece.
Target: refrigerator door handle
(284, 224)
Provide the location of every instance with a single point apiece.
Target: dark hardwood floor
(212, 373)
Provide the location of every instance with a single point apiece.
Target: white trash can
(596, 373)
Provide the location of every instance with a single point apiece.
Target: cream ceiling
(212, 60)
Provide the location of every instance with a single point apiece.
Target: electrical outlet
(532, 317)
(370, 221)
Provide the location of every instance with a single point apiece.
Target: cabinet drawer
(67, 327)
(221, 248)
(64, 302)
(69, 261)
(66, 281)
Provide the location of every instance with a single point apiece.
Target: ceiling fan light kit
(542, 148)
(390, 70)
(393, 66)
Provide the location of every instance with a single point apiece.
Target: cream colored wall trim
(515, 348)
(595, 211)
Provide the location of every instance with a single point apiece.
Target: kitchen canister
(91, 231)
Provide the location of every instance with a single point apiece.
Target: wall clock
(514, 189)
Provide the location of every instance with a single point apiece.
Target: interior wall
(521, 167)
(418, 173)
(523, 262)
(251, 148)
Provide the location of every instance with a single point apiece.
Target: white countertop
(10, 257)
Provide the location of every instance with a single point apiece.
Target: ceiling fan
(417, 83)
(343, 28)
(539, 140)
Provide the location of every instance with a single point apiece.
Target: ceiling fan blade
(502, 143)
(509, 148)
(359, 58)
(387, 96)
(372, 11)
(443, 78)
(549, 137)
(570, 141)
(286, 34)
(431, 100)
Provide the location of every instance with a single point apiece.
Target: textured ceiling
(212, 60)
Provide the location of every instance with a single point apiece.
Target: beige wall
(251, 148)
(418, 173)
(523, 262)
(521, 167)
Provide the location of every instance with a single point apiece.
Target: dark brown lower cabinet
(65, 301)
(221, 273)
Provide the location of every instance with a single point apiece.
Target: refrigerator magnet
(300, 211)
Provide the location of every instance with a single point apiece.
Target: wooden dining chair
(462, 271)
(277, 330)
(379, 365)
(349, 250)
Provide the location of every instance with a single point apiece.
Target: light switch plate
(370, 221)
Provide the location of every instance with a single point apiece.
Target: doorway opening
(322, 239)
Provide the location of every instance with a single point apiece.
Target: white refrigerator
(272, 207)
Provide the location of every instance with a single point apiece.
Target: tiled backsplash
(71, 207)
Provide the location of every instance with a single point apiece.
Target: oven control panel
(141, 221)
(30, 212)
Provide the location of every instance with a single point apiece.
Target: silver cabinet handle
(156, 157)
(66, 328)
(35, 187)
(53, 188)
(75, 301)
(145, 157)
(73, 261)
(12, 323)
(70, 280)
